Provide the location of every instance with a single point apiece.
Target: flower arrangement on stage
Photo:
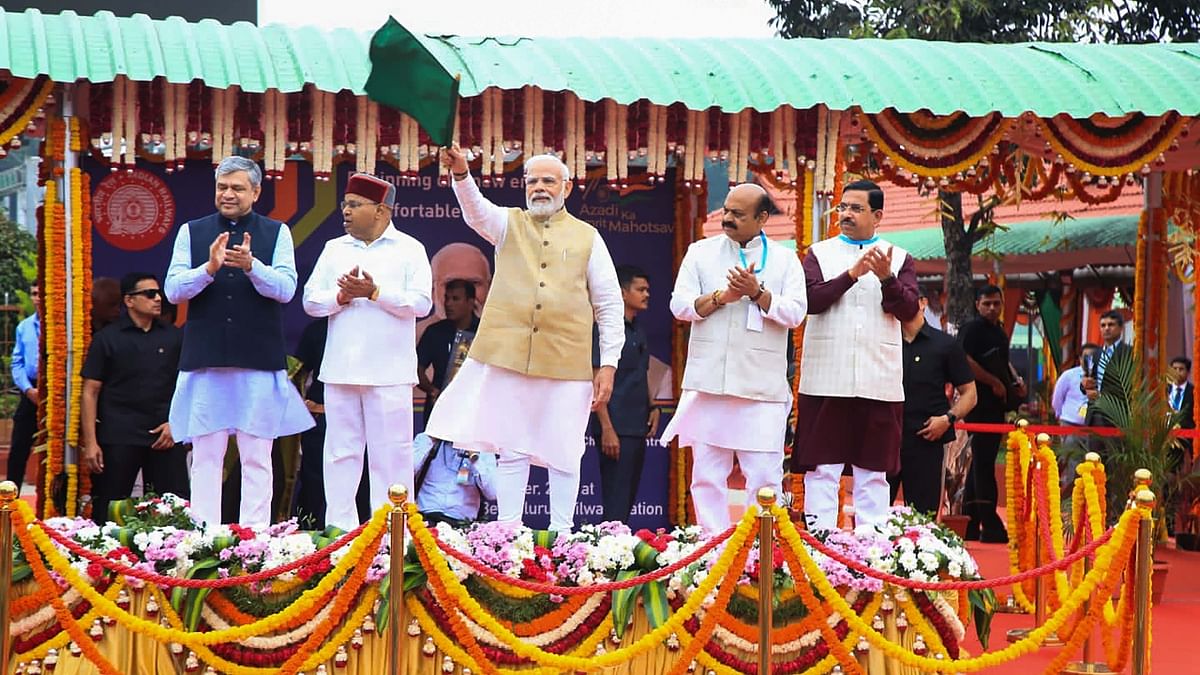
(157, 535)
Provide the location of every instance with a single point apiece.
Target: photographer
(451, 483)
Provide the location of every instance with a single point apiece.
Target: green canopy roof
(68, 47)
(731, 74)
(1025, 238)
(734, 74)
(1028, 238)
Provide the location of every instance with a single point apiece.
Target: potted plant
(1135, 403)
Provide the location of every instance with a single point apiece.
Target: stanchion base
(1083, 668)
(1017, 634)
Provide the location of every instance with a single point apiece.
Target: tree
(18, 249)
(985, 21)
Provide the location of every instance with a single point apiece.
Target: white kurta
(729, 421)
(261, 403)
(370, 365)
(488, 408)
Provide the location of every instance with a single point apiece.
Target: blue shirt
(26, 352)
(441, 493)
(1068, 398)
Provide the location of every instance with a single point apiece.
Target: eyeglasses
(148, 293)
(852, 208)
(354, 205)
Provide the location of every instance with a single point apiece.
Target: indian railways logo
(133, 211)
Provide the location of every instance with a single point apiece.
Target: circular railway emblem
(133, 211)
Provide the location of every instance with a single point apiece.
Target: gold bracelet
(374, 295)
(716, 298)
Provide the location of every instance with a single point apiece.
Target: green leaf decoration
(623, 601)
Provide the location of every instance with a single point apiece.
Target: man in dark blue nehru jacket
(237, 269)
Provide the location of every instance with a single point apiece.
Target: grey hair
(566, 171)
(236, 163)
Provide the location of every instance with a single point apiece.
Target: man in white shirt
(741, 293)
(527, 386)
(1069, 403)
(372, 283)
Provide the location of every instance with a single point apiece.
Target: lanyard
(858, 242)
(762, 265)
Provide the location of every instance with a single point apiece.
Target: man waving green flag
(407, 77)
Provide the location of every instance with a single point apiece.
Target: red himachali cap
(370, 187)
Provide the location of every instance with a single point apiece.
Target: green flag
(405, 76)
(1052, 326)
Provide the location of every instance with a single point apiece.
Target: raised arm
(489, 220)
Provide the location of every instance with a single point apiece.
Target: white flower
(908, 561)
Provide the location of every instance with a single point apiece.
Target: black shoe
(994, 537)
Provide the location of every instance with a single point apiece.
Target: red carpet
(1173, 617)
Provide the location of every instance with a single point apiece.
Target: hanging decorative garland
(1112, 146)
(20, 103)
(935, 146)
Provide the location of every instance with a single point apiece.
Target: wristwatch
(952, 418)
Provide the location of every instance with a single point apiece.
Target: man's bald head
(459, 260)
(747, 207)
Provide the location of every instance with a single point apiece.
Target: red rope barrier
(1061, 430)
(869, 571)
(553, 589)
(165, 581)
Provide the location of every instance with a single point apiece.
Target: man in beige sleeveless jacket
(527, 386)
(851, 405)
(741, 293)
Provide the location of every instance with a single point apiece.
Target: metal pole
(398, 494)
(1087, 666)
(8, 494)
(1141, 608)
(766, 576)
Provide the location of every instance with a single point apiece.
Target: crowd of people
(557, 354)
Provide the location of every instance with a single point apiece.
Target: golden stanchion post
(398, 494)
(766, 576)
(1041, 589)
(8, 494)
(1141, 610)
(1087, 666)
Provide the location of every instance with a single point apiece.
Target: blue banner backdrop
(636, 224)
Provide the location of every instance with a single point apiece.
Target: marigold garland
(266, 624)
(1112, 151)
(1020, 549)
(461, 600)
(816, 607)
(932, 152)
(693, 644)
(62, 638)
(26, 536)
(1126, 528)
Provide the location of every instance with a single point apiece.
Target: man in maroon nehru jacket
(372, 283)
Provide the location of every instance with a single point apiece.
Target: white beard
(544, 209)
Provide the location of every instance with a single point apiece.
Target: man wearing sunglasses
(851, 405)
(527, 385)
(128, 380)
(236, 269)
(372, 283)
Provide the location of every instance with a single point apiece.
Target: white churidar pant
(208, 462)
(871, 496)
(710, 477)
(372, 417)
(512, 475)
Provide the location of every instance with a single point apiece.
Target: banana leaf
(654, 600)
(188, 601)
(623, 601)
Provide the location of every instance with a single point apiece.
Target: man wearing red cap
(527, 385)
(372, 283)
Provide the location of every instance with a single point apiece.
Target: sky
(624, 18)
